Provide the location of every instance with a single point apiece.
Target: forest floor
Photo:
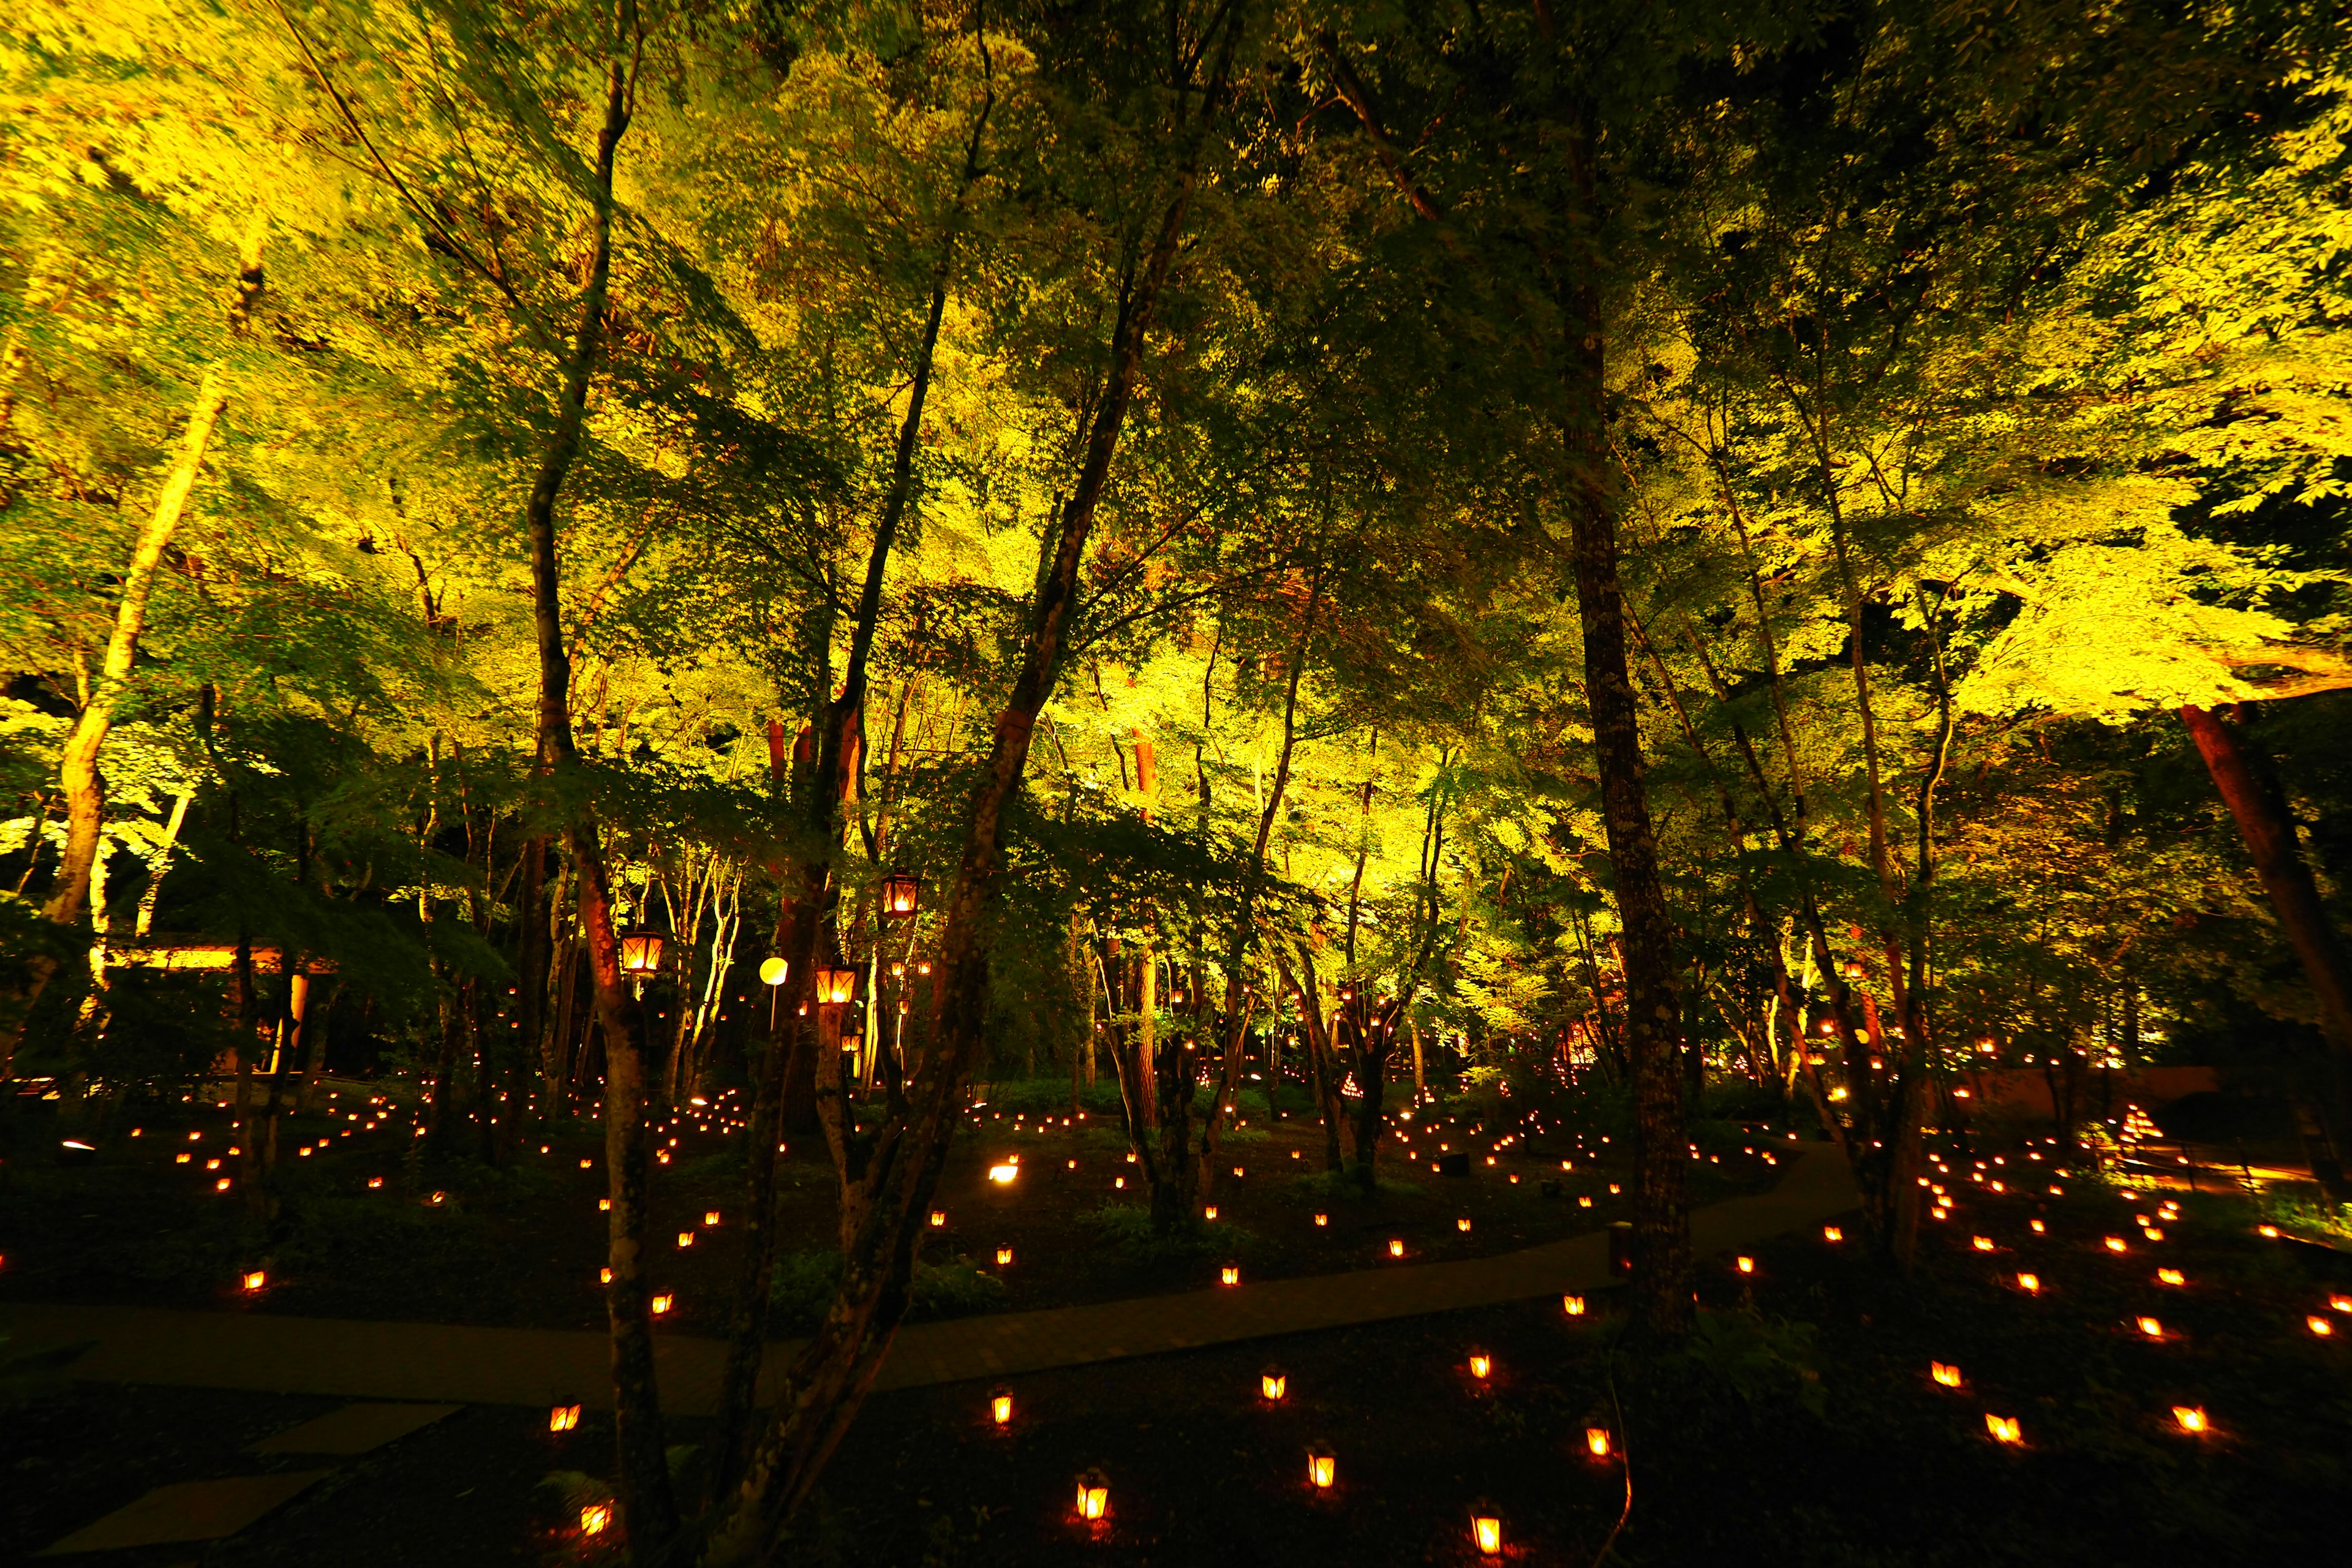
(1800, 1425)
(454, 1240)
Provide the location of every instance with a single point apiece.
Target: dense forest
(588, 556)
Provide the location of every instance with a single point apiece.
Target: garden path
(434, 1361)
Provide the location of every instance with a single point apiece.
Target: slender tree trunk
(829, 1382)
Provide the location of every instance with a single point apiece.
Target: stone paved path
(431, 1361)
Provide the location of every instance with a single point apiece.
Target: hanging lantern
(1000, 1408)
(1094, 1495)
(1486, 1530)
(835, 986)
(899, 892)
(1274, 1382)
(2152, 1328)
(773, 971)
(1322, 1466)
(1210, 1212)
(1854, 970)
(564, 1418)
(641, 951)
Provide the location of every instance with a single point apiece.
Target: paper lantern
(641, 951)
(1094, 1495)
(1596, 1441)
(564, 1418)
(2190, 1417)
(1948, 1376)
(2271, 1231)
(594, 1518)
(774, 971)
(899, 892)
(1486, 1533)
(1000, 1408)
(2340, 1303)
(1322, 1468)
(374, 1182)
(1573, 1305)
(604, 1276)
(2003, 1428)
(604, 1205)
(1274, 1382)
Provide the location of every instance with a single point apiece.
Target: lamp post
(641, 955)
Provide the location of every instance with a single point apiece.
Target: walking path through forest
(432, 1362)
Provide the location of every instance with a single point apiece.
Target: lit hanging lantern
(1000, 1408)
(1944, 1373)
(2116, 1244)
(899, 892)
(2038, 1228)
(1274, 1382)
(641, 951)
(835, 986)
(2268, 1232)
(1854, 968)
(1094, 1495)
(1486, 1530)
(1322, 1466)
(773, 971)
(685, 1238)
(2334, 1303)
(564, 1418)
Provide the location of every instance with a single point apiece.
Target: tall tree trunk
(829, 1381)
(2267, 826)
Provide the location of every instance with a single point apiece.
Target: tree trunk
(829, 1381)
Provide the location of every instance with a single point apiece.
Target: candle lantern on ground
(1094, 1495)
(1486, 1530)
(1322, 1466)
(1274, 1382)
(1000, 1408)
